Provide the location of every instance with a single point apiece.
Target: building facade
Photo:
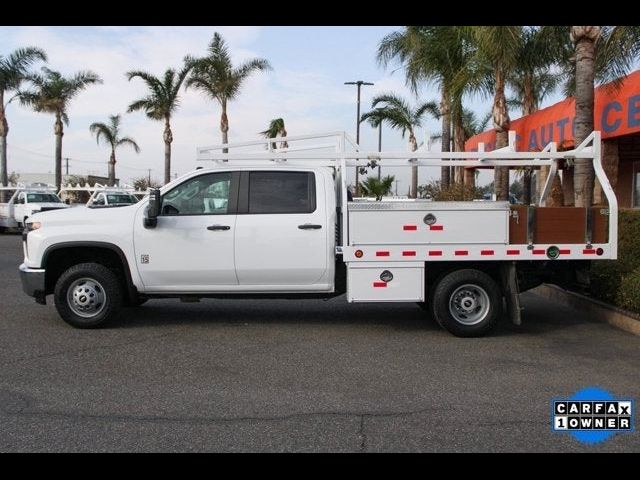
(617, 116)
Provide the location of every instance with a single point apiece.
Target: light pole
(379, 147)
(359, 83)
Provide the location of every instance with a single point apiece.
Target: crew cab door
(281, 230)
(191, 248)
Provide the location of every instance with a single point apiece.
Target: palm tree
(532, 81)
(396, 112)
(160, 104)
(111, 135)
(374, 187)
(605, 53)
(216, 77)
(433, 54)
(13, 71)
(497, 49)
(276, 129)
(53, 93)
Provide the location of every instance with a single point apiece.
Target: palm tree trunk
(445, 175)
(224, 126)
(501, 123)
(112, 168)
(4, 131)
(526, 187)
(58, 130)
(458, 139)
(567, 186)
(168, 138)
(556, 197)
(413, 144)
(529, 105)
(584, 39)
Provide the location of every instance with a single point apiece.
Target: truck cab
(116, 198)
(27, 201)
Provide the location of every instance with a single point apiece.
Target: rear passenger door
(281, 229)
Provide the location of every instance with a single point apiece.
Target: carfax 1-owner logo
(592, 415)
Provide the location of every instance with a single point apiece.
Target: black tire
(467, 303)
(84, 283)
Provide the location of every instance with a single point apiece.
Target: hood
(38, 206)
(83, 215)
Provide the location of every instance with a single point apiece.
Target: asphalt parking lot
(278, 375)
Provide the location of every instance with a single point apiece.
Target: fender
(131, 288)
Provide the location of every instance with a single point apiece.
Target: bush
(455, 192)
(618, 281)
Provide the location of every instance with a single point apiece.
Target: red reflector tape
(435, 253)
(380, 284)
(462, 252)
(409, 253)
(436, 227)
(486, 252)
(538, 252)
(565, 252)
(513, 252)
(410, 227)
(589, 251)
(382, 253)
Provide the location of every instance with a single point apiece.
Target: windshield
(121, 198)
(43, 198)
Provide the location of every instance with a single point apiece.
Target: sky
(306, 88)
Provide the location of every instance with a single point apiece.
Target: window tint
(115, 198)
(42, 198)
(282, 192)
(203, 195)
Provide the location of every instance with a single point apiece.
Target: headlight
(31, 226)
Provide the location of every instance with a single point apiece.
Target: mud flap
(511, 292)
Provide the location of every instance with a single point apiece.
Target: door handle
(218, 227)
(309, 226)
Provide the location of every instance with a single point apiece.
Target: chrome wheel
(86, 297)
(469, 304)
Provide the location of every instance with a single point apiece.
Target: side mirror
(153, 209)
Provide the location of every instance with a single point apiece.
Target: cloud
(309, 98)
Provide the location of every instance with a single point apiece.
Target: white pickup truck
(282, 224)
(26, 201)
(101, 196)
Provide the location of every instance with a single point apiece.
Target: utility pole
(397, 187)
(359, 83)
(149, 178)
(66, 166)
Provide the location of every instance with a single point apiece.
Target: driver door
(191, 249)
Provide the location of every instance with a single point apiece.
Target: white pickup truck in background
(26, 201)
(281, 224)
(101, 196)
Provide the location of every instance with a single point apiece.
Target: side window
(99, 200)
(20, 199)
(204, 195)
(282, 192)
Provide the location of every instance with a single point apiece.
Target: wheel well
(57, 261)
(434, 271)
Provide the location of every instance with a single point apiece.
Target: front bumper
(33, 282)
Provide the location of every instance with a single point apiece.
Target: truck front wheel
(467, 303)
(88, 295)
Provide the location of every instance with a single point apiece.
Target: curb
(595, 309)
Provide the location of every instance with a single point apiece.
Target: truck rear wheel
(467, 303)
(88, 295)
